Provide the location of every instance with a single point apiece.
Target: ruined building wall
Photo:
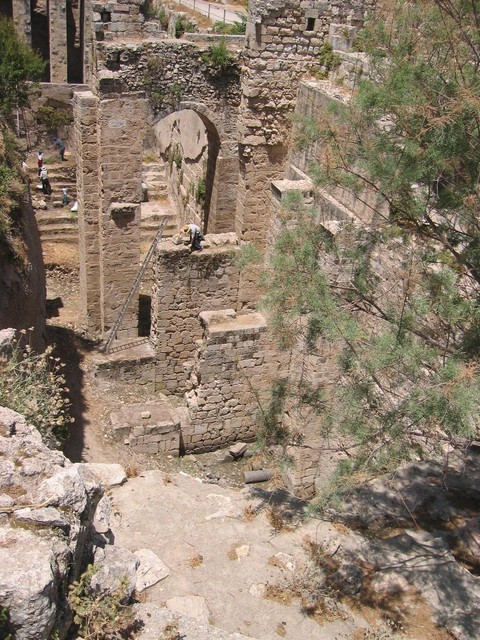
(314, 97)
(176, 78)
(22, 19)
(109, 196)
(235, 365)
(181, 141)
(85, 106)
(186, 284)
(283, 42)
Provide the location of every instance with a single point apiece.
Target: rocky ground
(248, 560)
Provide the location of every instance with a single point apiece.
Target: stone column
(85, 110)
(224, 192)
(22, 19)
(121, 133)
(57, 26)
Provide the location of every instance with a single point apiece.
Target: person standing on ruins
(60, 146)
(39, 161)
(195, 236)
(46, 187)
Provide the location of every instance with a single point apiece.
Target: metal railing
(213, 11)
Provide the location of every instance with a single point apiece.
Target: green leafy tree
(19, 67)
(394, 303)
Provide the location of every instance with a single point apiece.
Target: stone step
(47, 218)
(64, 238)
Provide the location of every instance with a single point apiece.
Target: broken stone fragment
(150, 570)
(101, 519)
(116, 564)
(145, 415)
(46, 517)
(110, 475)
(237, 450)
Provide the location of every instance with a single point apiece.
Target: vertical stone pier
(108, 145)
(121, 133)
(22, 19)
(85, 109)
(57, 26)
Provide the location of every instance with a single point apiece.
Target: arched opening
(187, 144)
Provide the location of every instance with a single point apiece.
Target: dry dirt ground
(219, 539)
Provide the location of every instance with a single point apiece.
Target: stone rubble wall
(235, 366)
(124, 19)
(147, 428)
(158, 66)
(186, 284)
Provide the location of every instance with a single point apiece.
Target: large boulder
(47, 508)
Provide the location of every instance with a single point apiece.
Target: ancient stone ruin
(159, 132)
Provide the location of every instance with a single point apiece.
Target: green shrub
(31, 384)
(217, 56)
(4, 624)
(19, 67)
(12, 188)
(183, 25)
(100, 615)
(53, 118)
(235, 29)
(200, 192)
(328, 59)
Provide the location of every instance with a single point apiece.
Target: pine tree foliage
(397, 300)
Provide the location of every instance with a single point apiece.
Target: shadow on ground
(71, 350)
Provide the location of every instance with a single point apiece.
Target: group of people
(43, 171)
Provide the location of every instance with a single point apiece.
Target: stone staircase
(154, 175)
(57, 224)
(55, 221)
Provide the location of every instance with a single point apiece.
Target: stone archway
(203, 166)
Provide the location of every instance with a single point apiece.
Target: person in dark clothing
(60, 146)
(195, 236)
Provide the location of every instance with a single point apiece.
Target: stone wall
(336, 204)
(109, 195)
(57, 20)
(148, 428)
(186, 284)
(235, 366)
(283, 43)
(123, 19)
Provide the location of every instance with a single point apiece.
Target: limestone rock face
(47, 509)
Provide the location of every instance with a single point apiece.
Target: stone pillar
(22, 19)
(121, 133)
(224, 192)
(57, 25)
(85, 109)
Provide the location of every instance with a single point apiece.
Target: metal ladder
(135, 285)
